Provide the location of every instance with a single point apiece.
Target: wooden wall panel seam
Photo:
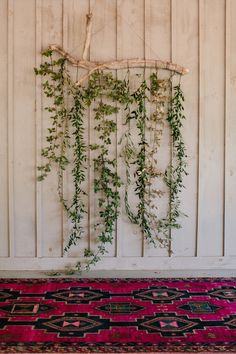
(64, 223)
(38, 127)
(117, 248)
(143, 240)
(4, 233)
(227, 152)
(226, 103)
(198, 128)
(11, 210)
(171, 142)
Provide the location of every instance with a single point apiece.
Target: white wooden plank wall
(198, 34)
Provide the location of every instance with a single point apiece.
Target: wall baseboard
(178, 266)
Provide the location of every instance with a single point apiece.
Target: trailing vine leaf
(57, 138)
(137, 156)
(106, 95)
(77, 207)
(153, 228)
(177, 168)
(57, 86)
(106, 181)
(159, 89)
(141, 117)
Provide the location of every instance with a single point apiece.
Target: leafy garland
(58, 87)
(154, 229)
(177, 168)
(106, 95)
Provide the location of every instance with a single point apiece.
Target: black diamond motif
(26, 308)
(228, 293)
(120, 308)
(4, 296)
(3, 322)
(73, 325)
(169, 325)
(200, 307)
(159, 294)
(7, 294)
(77, 295)
(231, 323)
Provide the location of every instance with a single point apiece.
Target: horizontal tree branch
(92, 66)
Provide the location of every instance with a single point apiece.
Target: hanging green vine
(77, 208)
(57, 139)
(106, 181)
(154, 228)
(140, 115)
(105, 95)
(177, 168)
(57, 86)
(159, 89)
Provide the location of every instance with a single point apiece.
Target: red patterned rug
(117, 315)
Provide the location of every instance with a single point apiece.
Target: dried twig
(118, 64)
(88, 36)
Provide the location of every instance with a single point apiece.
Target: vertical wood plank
(65, 182)
(158, 46)
(10, 137)
(230, 128)
(51, 208)
(38, 133)
(20, 143)
(130, 44)
(74, 31)
(211, 143)
(185, 52)
(3, 133)
(24, 127)
(103, 47)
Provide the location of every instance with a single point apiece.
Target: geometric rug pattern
(117, 315)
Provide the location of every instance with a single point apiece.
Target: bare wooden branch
(88, 36)
(92, 66)
(134, 63)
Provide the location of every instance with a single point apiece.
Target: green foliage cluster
(105, 92)
(57, 87)
(177, 168)
(106, 96)
(143, 156)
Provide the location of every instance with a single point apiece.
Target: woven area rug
(117, 315)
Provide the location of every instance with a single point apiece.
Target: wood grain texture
(191, 33)
(24, 134)
(211, 138)
(10, 127)
(103, 45)
(130, 42)
(188, 265)
(74, 24)
(230, 128)
(185, 50)
(52, 213)
(3, 134)
(38, 125)
(158, 45)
